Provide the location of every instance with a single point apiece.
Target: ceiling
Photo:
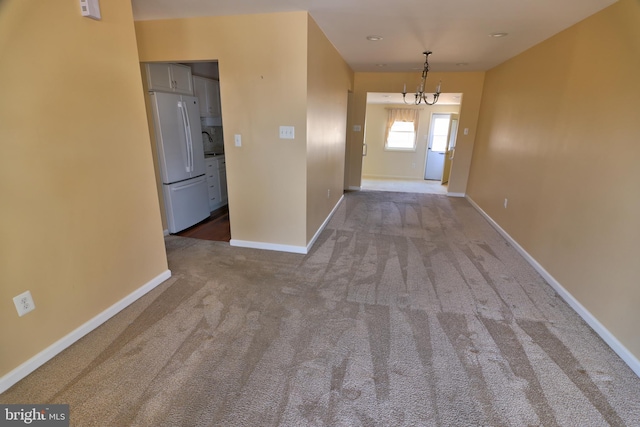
(457, 31)
(396, 98)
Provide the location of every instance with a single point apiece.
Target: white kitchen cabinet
(208, 93)
(166, 77)
(222, 175)
(216, 181)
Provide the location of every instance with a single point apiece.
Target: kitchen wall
(79, 224)
(263, 64)
(558, 136)
(469, 84)
(380, 163)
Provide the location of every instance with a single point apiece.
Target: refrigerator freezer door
(178, 138)
(186, 203)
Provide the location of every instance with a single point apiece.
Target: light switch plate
(287, 132)
(238, 140)
(90, 9)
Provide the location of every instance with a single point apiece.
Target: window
(402, 127)
(402, 135)
(440, 132)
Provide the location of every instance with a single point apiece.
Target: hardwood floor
(215, 228)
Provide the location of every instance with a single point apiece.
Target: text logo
(34, 415)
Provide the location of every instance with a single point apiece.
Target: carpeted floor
(410, 310)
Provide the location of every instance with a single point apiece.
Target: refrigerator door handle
(184, 187)
(187, 135)
(190, 140)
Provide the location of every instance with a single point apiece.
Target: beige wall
(383, 163)
(275, 70)
(79, 224)
(558, 137)
(469, 84)
(329, 82)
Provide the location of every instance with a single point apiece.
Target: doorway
(400, 169)
(441, 143)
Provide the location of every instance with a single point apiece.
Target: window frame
(406, 149)
(410, 116)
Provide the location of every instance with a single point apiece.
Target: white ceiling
(457, 31)
(396, 98)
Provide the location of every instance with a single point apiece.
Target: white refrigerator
(180, 151)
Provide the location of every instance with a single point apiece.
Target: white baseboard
(591, 320)
(324, 224)
(50, 352)
(402, 177)
(456, 194)
(268, 246)
(286, 248)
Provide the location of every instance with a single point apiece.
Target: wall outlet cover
(24, 303)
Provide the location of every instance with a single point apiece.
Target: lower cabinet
(216, 182)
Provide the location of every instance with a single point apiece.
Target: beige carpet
(409, 311)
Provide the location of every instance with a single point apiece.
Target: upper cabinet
(208, 93)
(167, 77)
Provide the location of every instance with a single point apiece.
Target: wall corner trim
(286, 248)
(324, 224)
(57, 347)
(628, 357)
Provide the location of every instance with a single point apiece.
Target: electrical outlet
(328, 193)
(506, 201)
(24, 303)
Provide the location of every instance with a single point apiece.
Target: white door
(451, 146)
(437, 147)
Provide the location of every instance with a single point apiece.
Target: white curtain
(402, 115)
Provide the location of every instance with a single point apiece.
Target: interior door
(437, 147)
(451, 146)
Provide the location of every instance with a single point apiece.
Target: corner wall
(329, 81)
(262, 61)
(79, 224)
(558, 137)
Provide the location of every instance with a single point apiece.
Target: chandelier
(420, 96)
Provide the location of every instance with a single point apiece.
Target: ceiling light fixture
(498, 35)
(374, 38)
(420, 96)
